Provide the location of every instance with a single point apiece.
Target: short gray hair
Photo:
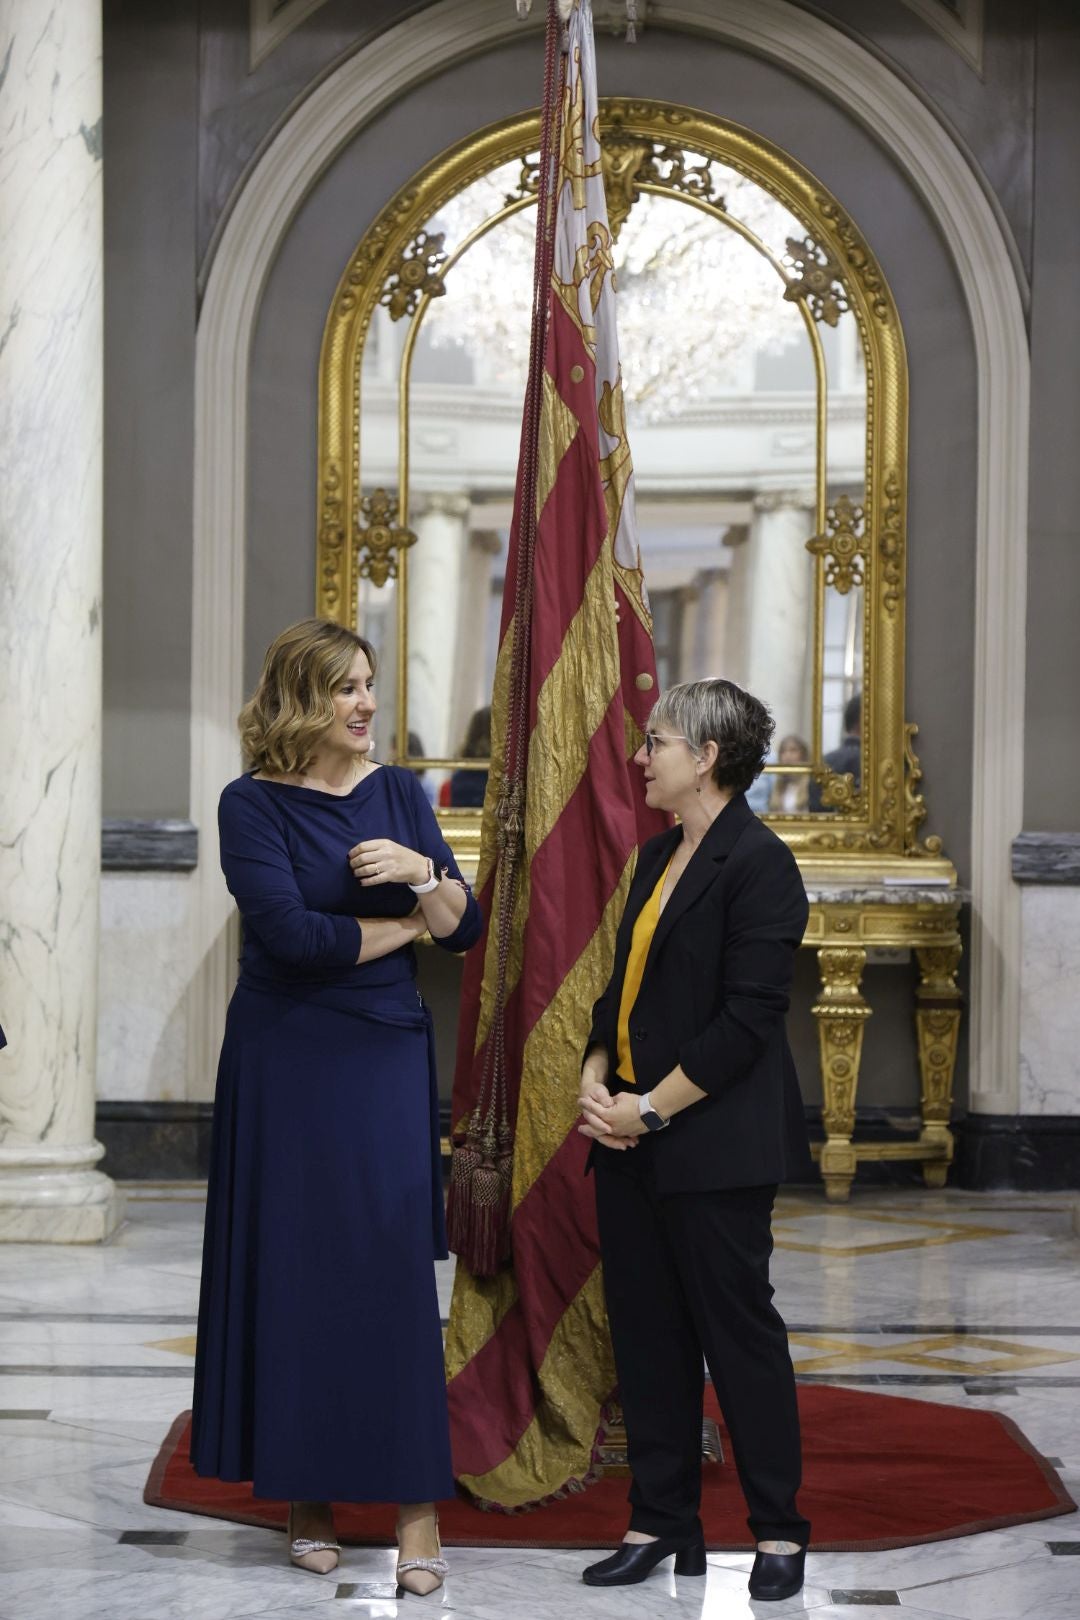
(718, 711)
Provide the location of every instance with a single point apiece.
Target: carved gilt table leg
(841, 1013)
(614, 1449)
(937, 1024)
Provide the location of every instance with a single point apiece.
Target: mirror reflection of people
(759, 792)
(416, 751)
(847, 758)
(466, 789)
(325, 1192)
(690, 1097)
(790, 794)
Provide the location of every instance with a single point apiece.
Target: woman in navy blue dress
(319, 1371)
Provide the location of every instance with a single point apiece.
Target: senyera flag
(528, 1357)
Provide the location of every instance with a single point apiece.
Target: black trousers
(686, 1280)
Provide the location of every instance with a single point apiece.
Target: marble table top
(845, 893)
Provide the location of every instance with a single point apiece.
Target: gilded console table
(846, 920)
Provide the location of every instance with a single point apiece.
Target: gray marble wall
(1052, 758)
(151, 163)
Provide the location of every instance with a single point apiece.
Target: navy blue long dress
(319, 1369)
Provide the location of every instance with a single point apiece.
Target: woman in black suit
(690, 1096)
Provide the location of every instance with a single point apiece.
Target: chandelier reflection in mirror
(677, 350)
(767, 397)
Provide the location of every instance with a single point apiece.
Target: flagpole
(478, 1205)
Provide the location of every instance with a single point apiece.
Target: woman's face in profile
(669, 769)
(354, 707)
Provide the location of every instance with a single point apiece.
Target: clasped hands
(612, 1121)
(380, 860)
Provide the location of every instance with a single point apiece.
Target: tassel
(478, 1209)
(524, 7)
(631, 22)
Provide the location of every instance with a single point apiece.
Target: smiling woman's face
(354, 706)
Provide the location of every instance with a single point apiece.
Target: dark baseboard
(1017, 1153)
(1039, 857)
(165, 1141)
(149, 846)
(872, 1124)
(155, 1141)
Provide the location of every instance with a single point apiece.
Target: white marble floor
(974, 1301)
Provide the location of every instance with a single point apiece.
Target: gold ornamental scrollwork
(414, 274)
(379, 538)
(844, 545)
(528, 180)
(838, 792)
(857, 257)
(624, 158)
(331, 535)
(938, 1012)
(891, 544)
(357, 281)
(882, 834)
(914, 803)
(841, 1013)
(629, 162)
(817, 277)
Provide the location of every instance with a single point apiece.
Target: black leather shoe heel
(636, 1559)
(777, 1575)
(691, 1561)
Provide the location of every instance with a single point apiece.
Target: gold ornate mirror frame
(874, 825)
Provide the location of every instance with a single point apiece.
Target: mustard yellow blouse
(640, 940)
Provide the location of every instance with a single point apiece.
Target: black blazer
(713, 999)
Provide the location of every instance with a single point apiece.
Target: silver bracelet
(433, 880)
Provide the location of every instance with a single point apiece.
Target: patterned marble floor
(968, 1300)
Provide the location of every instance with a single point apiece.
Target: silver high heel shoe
(318, 1557)
(432, 1566)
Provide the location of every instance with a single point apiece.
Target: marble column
(439, 616)
(703, 650)
(772, 579)
(51, 255)
(470, 690)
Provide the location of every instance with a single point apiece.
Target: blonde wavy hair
(293, 705)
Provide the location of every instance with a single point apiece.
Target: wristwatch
(653, 1120)
(432, 880)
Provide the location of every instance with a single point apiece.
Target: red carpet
(880, 1471)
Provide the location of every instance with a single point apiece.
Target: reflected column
(437, 606)
(470, 688)
(705, 614)
(776, 602)
(51, 355)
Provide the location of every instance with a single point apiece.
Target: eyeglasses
(654, 737)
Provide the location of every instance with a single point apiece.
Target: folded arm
(259, 873)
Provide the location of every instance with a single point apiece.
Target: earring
(698, 788)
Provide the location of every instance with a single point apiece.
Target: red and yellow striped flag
(528, 1357)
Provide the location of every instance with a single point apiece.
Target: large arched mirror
(766, 395)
